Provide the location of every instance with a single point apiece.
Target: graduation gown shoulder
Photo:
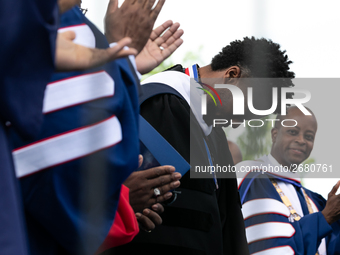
(268, 228)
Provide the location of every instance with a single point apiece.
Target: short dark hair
(257, 58)
(261, 57)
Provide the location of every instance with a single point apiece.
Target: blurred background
(307, 30)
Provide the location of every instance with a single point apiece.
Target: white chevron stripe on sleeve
(264, 206)
(67, 146)
(269, 230)
(77, 90)
(84, 35)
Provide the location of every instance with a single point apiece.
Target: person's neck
(204, 71)
(273, 155)
(210, 77)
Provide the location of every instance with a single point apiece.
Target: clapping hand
(72, 57)
(134, 19)
(332, 208)
(159, 47)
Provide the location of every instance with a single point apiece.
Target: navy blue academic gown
(28, 32)
(269, 228)
(71, 174)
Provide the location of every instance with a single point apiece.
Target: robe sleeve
(333, 238)
(26, 65)
(268, 228)
(77, 182)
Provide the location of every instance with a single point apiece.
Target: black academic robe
(202, 220)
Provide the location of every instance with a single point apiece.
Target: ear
(231, 74)
(274, 134)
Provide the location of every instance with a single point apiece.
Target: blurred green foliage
(255, 142)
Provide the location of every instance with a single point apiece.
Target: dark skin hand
(72, 57)
(332, 209)
(142, 184)
(149, 219)
(152, 55)
(134, 19)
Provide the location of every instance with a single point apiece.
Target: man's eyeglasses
(83, 10)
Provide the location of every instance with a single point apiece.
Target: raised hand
(332, 208)
(134, 19)
(72, 57)
(159, 47)
(143, 183)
